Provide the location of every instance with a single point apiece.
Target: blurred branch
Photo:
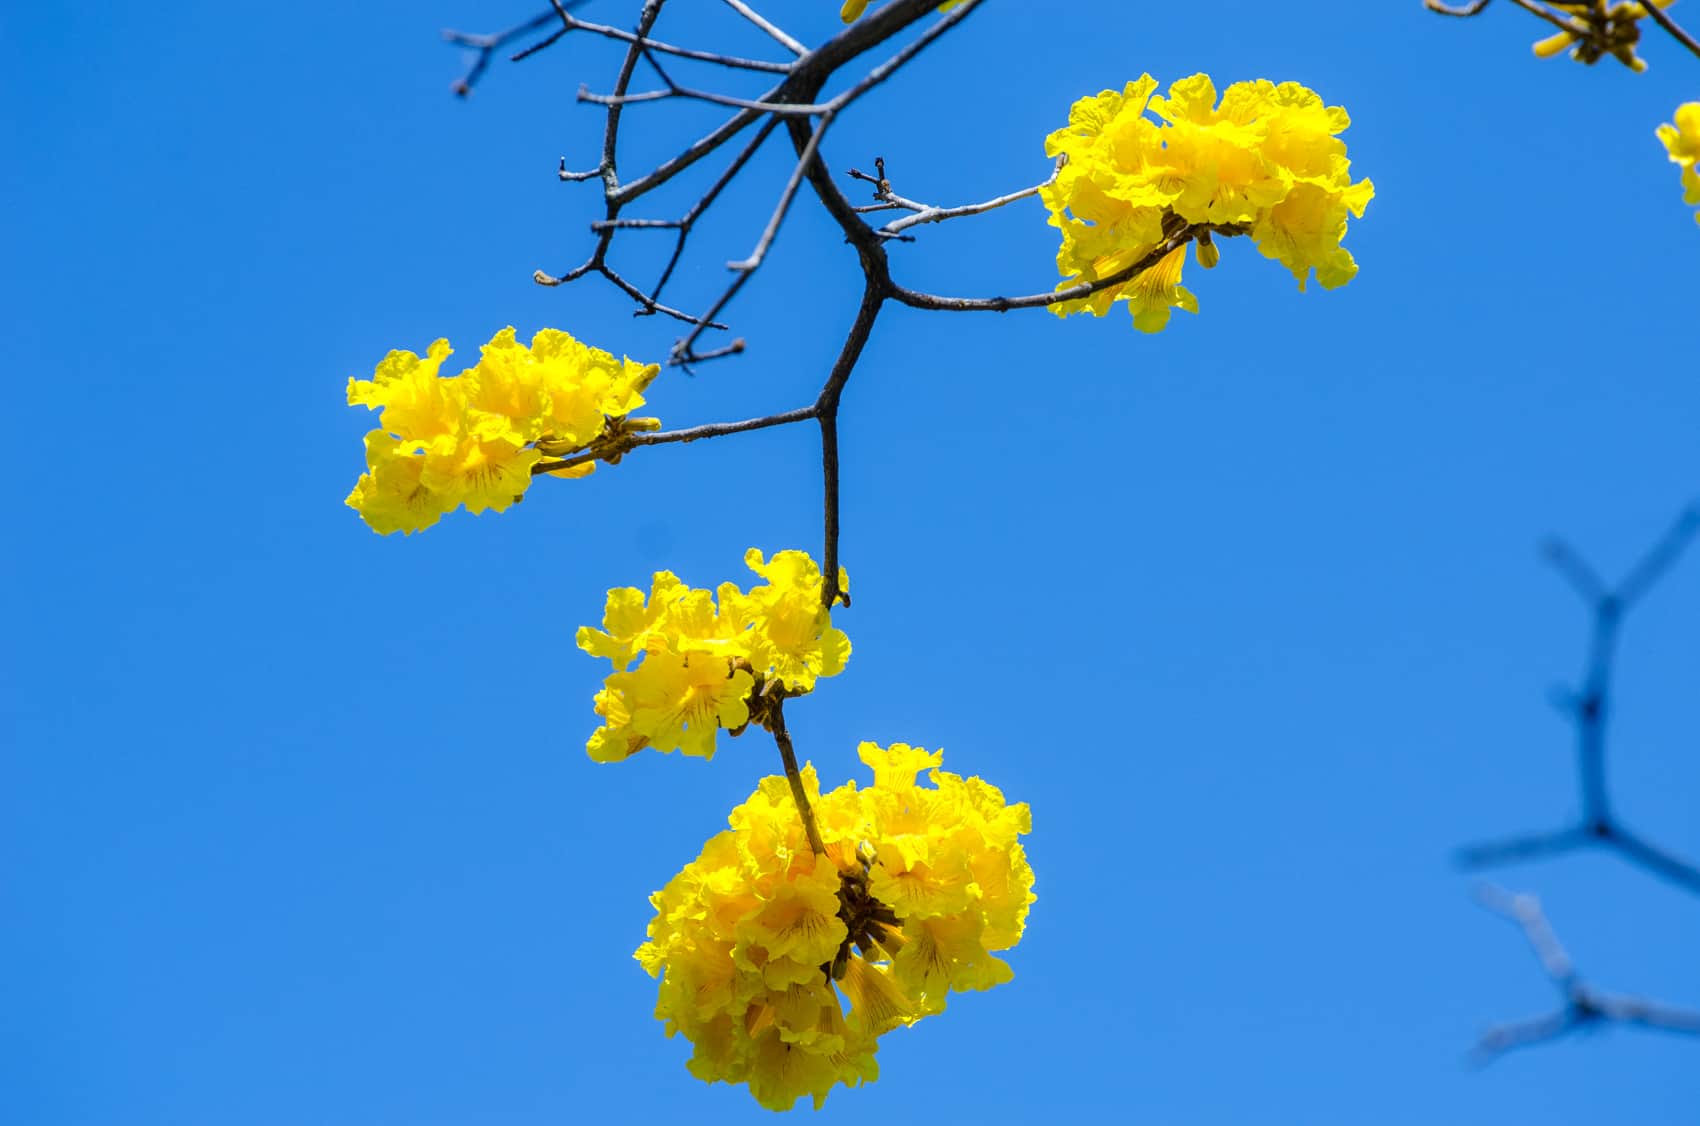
(1589, 709)
(1583, 1007)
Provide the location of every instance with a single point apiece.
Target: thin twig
(630, 441)
(1589, 709)
(1670, 25)
(924, 213)
(1583, 1005)
(1563, 23)
(572, 23)
(918, 300)
(762, 22)
(771, 231)
(488, 45)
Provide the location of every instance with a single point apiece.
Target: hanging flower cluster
(704, 666)
(1598, 29)
(853, 9)
(473, 439)
(760, 943)
(1682, 141)
(1266, 162)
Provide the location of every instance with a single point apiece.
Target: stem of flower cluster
(788, 755)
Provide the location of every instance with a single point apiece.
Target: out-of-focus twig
(1582, 1006)
(1589, 709)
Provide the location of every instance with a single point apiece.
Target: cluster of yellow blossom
(1599, 30)
(702, 663)
(757, 937)
(1266, 162)
(473, 438)
(853, 9)
(1682, 141)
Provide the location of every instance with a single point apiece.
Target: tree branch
(918, 300)
(926, 213)
(1583, 1005)
(762, 22)
(788, 756)
(1589, 709)
(1671, 26)
(624, 443)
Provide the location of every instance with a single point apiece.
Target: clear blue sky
(295, 822)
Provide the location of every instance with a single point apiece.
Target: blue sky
(295, 821)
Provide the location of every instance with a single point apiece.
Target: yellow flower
(1144, 172)
(417, 405)
(473, 439)
(672, 702)
(391, 497)
(1682, 142)
(782, 629)
(703, 663)
(760, 943)
(1155, 291)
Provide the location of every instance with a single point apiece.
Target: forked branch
(1589, 708)
(1582, 1006)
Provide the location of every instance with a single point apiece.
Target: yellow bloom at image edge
(1682, 143)
(784, 968)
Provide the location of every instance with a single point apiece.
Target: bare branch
(1661, 558)
(1589, 709)
(1583, 1006)
(572, 23)
(622, 444)
(1525, 911)
(771, 231)
(1586, 581)
(926, 214)
(1469, 9)
(488, 45)
(762, 22)
(1514, 850)
(918, 300)
(1671, 26)
(891, 66)
(675, 91)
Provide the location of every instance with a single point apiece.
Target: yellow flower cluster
(853, 9)
(1266, 162)
(757, 937)
(1682, 141)
(473, 438)
(701, 663)
(1601, 29)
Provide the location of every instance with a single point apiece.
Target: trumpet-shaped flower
(475, 439)
(784, 967)
(1143, 174)
(702, 662)
(1682, 142)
